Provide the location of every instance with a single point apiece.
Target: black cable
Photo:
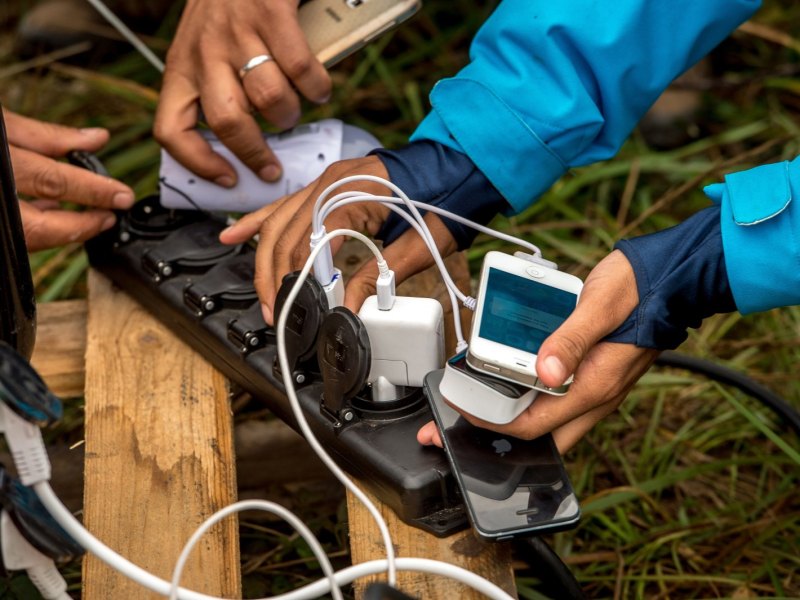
(557, 581)
(184, 195)
(770, 399)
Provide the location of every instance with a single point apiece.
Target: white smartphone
(337, 28)
(520, 303)
(511, 487)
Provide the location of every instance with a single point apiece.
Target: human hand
(213, 41)
(285, 228)
(34, 147)
(604, 371)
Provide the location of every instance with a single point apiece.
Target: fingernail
(266, 312)
(122, 200)
(270, 173)
(556, 368)
(93, 131)
(108, 223)
(324, 99)
(225, 181)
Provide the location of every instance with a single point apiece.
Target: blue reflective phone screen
(521, 312)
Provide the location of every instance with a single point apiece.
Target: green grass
(690, 490)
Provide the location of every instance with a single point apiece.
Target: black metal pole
(17, 299)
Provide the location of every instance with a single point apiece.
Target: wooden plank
(58, 355)
(159, 451)
(464, 549)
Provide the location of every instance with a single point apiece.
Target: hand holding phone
(229, 60)
(511, 487)
(520, 303)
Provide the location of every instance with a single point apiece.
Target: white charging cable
(324, 261)
(452, 290)
(314, 590)
(333, 583)
(331, 205)
(323, 206)
(271, 507)
(294, 402)
(125, 31)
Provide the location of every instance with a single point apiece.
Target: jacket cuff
(681, 279)
(441, 176)
(760, 221)
(522, 150)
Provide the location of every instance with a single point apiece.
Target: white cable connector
(452, 290)
(27, 447)
(385, 288)
(20, 555)
(536, 258)
(470, 303)
(334, 291)
(324, 271)
(328, 276)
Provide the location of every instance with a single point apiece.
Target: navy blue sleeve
(441, 176)
(681, 279)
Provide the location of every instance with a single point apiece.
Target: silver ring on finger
(253, 63)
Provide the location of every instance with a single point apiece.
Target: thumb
(608, 298)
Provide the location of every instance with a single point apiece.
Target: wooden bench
(159, 454)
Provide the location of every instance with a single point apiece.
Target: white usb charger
(407, 341)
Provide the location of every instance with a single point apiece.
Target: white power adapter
(407, 341)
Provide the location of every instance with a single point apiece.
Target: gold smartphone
(337, 28)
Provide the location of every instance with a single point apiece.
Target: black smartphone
(511, 487)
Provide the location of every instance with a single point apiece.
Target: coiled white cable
(81, 535)
(535, 250)
(421, 228)
(271, 507)
(313, 590)
(324, 205)
(452, 290)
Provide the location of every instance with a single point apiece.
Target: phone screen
(521, 312)
(510, 486)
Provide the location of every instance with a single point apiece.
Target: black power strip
(173, 264)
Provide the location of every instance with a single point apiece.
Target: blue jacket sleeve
(440, 176)
(760, 224)
(557, 84)
(681, 280)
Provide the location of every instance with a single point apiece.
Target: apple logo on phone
(501, 446)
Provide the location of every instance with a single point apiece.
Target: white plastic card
(304, 152)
